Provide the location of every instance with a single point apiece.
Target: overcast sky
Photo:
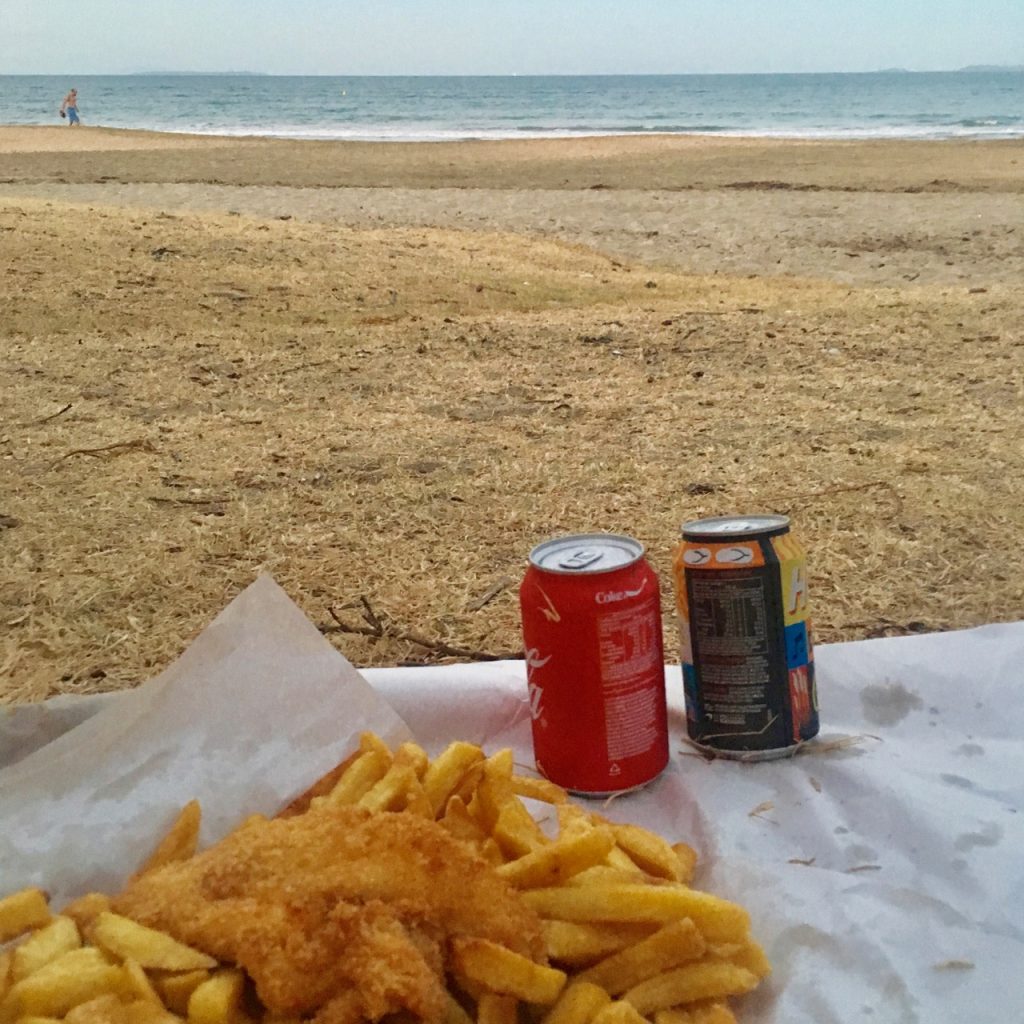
(458, 37)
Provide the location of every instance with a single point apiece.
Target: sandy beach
(382, 372)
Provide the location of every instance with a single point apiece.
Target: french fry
(538, 789)
(717, 919)
(619, 1012)
(48, 943)
(180, 841)
(648, 851)
(360, 776)
(697, 1013)
(86, 909)
(577, 943)
(494, 789)
(573, 819)
(413, 755)
(497, 1009)
(6, 963)
(687, 857)
(670, 946)
(141, 1011)
(455, 1012)
(516, 831)
(101, 1010)
(129, 940)
(416, 801)
(505, 972)
(138, 985)
(21, 912)
(579, 1002)
(620, 859)
(53, 990)
(388, 792)
(751, 957)
(461, 824)
(604, 873)
(446, 772)
(706, 979)
(558, 861)
(176, 988)
(218, 1000)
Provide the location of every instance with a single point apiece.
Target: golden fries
(499, 970)
(626, 940)
(181, 839)
(21, 912)
(127, 940)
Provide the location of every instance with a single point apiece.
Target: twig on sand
(303, 366)
(380, 628)
(489, 594)
(159, 499)
(46, 419)
(884, 484)
(118, 448)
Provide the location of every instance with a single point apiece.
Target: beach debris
(376, 626)
(117, 448)
(832, 745)
(489, 594)
(211, 506)
(9, 522)
(46, 419)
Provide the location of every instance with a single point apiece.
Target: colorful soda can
(745, 635)
(594, 661)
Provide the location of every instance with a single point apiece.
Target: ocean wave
(433, 133)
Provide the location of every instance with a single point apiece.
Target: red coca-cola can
(594, 663)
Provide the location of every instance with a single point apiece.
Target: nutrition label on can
(631, 674)
(731, 639)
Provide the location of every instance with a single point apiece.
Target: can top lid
(586, 553)
(735, 526)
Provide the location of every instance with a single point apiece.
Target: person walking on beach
(70, 106)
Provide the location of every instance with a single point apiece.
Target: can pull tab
(581, 559)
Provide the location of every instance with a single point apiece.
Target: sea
(981, 104)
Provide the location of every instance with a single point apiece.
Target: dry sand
(382, 372)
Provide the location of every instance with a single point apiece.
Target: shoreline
(453, 135)
(95, 154)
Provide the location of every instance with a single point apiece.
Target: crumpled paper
(882, 866)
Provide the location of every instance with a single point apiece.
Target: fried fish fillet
(342, 913)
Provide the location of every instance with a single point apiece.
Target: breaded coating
(343, 913)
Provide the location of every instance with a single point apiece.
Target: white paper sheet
(884, 875)
(257, 708)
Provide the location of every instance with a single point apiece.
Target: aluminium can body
(745, 636)
(595, 666)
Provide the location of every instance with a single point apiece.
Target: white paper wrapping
(257, 708)
(883, 868)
